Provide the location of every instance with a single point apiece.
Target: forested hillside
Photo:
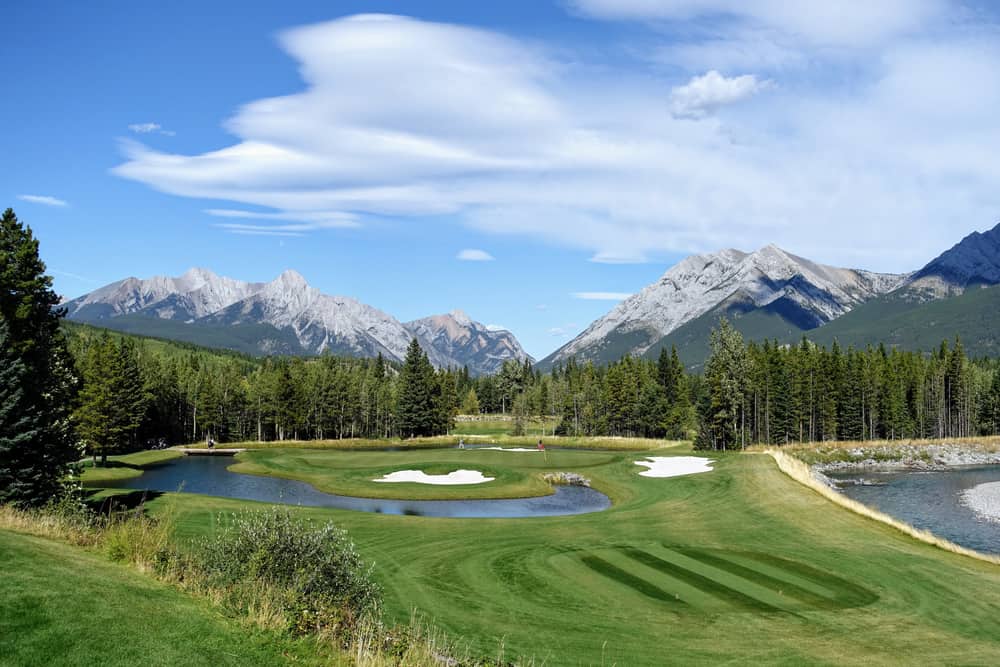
(749, 393)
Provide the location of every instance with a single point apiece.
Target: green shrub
(311, 572)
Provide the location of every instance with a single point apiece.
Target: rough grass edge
(135, 539)
(802, 473)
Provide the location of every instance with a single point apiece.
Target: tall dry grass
(145, 542)
(802, 473)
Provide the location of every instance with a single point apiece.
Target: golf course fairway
(737, 564)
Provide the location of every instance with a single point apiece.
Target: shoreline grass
(802, 473)
(125, 466)
(600, 443)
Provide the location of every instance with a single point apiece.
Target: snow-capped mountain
(320, 322)
(456, 336)
(195, 294)
(974, 261)
(807, 293)
(285, 315)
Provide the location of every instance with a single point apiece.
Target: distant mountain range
(285, 316)
(767, 294)
(773, 294)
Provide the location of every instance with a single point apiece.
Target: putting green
(516, 474)
(737, 564)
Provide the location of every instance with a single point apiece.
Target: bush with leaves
(313, 572)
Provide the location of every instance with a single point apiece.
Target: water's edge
(209, 475)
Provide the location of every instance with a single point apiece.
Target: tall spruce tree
(113, 401)
(416, 410)
(37, 455)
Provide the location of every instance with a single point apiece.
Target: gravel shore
(928, 458)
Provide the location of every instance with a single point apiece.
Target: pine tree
(727, 374)
(35, 461)
(113, 401)
(470, 405)
(415, 408)
(19, 423)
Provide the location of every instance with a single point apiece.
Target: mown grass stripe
(637, 584)
(821, 588)
(703, 583)
(848, 594)
(780, 586)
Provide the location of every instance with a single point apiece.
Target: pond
(208, 475)
(928, 500)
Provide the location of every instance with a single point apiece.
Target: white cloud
(496, 327)
(147, 128)
(602, 296)
(45, 200)
(824, 23)
(300, 223)
(410, 119)
(474, 255)
(704, 94)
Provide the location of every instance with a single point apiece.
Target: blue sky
(584, 145)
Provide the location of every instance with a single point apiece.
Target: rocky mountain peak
(460, 317)
(700, 283)
(975, 260)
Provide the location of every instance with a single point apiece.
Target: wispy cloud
(298, 223)
(888, 127)
(474, 255)
(74, 276)
(496, 327)
(602, 296)
(148, 128)
(44, 200)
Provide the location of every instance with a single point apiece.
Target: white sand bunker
(452, 478)
(984, 500)
(674, 466)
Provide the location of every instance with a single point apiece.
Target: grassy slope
(62, 605)
(535, 427)
(692, 339)
(738, 564)
(975, 316)
(125, 466)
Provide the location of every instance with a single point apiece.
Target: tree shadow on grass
(120, 502)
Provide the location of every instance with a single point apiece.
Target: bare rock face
(457, 337)
(700, 283)
(973, 262)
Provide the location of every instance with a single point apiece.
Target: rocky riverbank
(888, 457)
(566, 479)
(925, 457)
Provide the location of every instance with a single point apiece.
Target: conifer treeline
(749, 393)
(141, 395)
(778, 394)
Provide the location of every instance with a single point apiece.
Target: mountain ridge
(812, 293)
(283, 316)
